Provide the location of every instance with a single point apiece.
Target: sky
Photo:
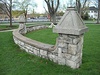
(41, 3)
(39, 8)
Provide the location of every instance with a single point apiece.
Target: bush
(85, 16)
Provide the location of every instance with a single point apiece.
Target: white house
(93, 12)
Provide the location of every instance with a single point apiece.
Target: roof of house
(93, 8)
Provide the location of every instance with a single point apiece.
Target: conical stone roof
(71, 23)
(21, 19)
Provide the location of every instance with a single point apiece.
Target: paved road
(26, 23)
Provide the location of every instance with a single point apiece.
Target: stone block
(26, 50)
(64, 49)
(61, 61)
(80, 47)
(66, 56)
(36, 52)
(51, 56)
(60, 39)
(82, 38)
(78, 65)
(18, 42)
(72, 49)
(22, 43)
(59, 52)
(65, 36)
(80, 44)
(43, 53)
(75, 58)
(71, 64)
(31, 48)
(55, 59)
(31, 52)
(15, 40)
(36, 48)
(62, 45)
(27, 46)
(69, 40)
(76, 40)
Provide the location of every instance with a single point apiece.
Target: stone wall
(32, 46)
(67, 51)
(69, 44)
(70, 50)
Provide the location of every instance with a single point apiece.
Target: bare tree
(81, 6)
(52, 8)
(96, 3)
(78, 6)
(7, 8)
(24, 5)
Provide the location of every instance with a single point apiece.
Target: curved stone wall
(29, 45)
(69, 44)
(67, 51)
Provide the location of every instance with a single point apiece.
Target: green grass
(6, 27)
(45, 36)
(14, 61)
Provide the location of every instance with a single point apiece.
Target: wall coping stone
(16, 34)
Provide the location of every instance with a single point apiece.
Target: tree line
(52, 5)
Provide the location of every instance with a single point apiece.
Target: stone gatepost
(22, 25)
(71, 31)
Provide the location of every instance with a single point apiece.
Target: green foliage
(85, 16)
(17, 13)
(60, 13)
(14, 61)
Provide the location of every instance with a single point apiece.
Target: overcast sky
(39, 8)
(41, 3)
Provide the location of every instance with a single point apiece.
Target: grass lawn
(6, 27)
(44, 35)
(14, 61)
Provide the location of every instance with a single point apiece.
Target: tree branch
(5, 11)
(57, 6)
(52, 2)
(84, 3)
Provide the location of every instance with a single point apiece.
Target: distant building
(93, 12)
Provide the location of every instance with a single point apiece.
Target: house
(93, 12)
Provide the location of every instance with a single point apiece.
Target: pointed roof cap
(71, 23)
(21, 19)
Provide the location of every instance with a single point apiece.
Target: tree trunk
(98, 12)
(52, 8)
(53, 18)
(10, 18)
(78, 6)
(25, 15)
(10, 13)
(98, 17)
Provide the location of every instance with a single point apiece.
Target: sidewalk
(7, 30)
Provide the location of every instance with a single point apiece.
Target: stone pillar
(71, 31)
(22, 25)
